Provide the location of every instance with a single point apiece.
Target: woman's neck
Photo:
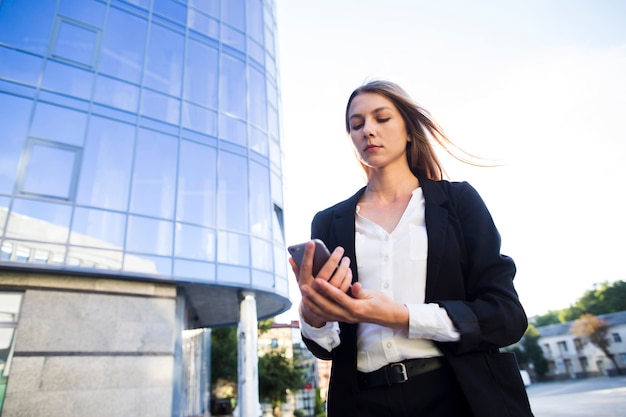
(389, 187)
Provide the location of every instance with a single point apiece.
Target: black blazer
(466, 275)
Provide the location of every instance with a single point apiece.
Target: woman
(416, 299)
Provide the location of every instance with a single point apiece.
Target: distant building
(570, 357)
(141, 199)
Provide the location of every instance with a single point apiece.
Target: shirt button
(386, 258)
(386, 285)
(388, 345)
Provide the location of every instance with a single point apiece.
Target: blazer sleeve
(490, 316)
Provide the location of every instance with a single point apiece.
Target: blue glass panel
(200, 84)
(256, 51)
(76, 43)
(164, 67)
(146, 264)
(141, 3)
(277, 189)
(107, 160)
(45, 160)
(272, 94)
(59, 124)
(4, 208)
(203, 24)
(68, 79)
(233, 248)
(233, 274)
(94, 258)
(233, 38)
(272, 119)
(149, 236)
(88, 11)
(232, 86)
(281, 264)
(260, 204)
(38, 220)
(261, 254)
(275, 154)
(258, 98)
(194, 242)
(63, 100)
(171, 9)
(26, 24)
(232, 192)
(196, 184)
(98, 228)
(233, 13)
(210, 7)
(18, 66)
(232, 130)
(154, 177)
(193, 269)
(254, 19)
(262, 279)
(269, 42)
(14, 119)
(199, 119)
(116, 93)
(160, 106)
(123, 44)
(257, 141)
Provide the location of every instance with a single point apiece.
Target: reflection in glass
(39, 221)
(203, 24)
(76, 43)
(160, 106)
(116, 93)
(233, 13)
(94, 258)
(196, 184)
(232, 192)
(17, 28)
(261, 254)
(194, 242)
(147, 264)
(199, 119)
(233, 274)
(98, 228)
(18, 66)
(200, 84)
(232, 92)
(164, 66)
(260, 204)
(154, 177)
(59, 124)
(184, 268)
(150, 236)
(171, 10)
(122, 50)
(258, 99)
(46, 158)
(13, 127)
(232, 130)
(233, 248)
(107, 159)
(90, 12)
(68, 80)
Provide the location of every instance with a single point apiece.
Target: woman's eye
(356, 127)
(383, 119)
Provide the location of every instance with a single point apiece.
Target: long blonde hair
(422, 159)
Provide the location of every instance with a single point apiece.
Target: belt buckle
(402, 372)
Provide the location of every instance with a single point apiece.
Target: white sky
(541, 84)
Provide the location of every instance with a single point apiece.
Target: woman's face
(377, 130)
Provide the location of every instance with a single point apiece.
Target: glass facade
(140, 139)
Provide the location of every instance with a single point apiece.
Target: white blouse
(394, 264)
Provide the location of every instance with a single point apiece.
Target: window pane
(199, 119)
(212, 8)
(193, 269)
(75, 43)
(233, 274)
(107, 161)
(260, 201)
(10, 303)
(88, 11)
(233, 248)
(232, 130)
(201, 74)
(27, 24)
(203, 24)
(171, 9)
(165, 60)
(232, 86)
(258, 99)
(59, 124)
(195, 242)
(46, 159)
(196, 184)
(262, 254)
(68, 80)
(98, 228)
(116, 93)
(20, 67)
(233, 13)
(154, 177)
(254, 19)
(148, 264)
(160, 107)
(123, 44)
(14, 119)
(38, 220)
(232, 192)
(149, 236)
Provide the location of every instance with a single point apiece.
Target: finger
(331, 264)
(305, 274)
(342, 278)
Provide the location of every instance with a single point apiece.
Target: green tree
(529, 353)
(224, 355)
(551, 317)
(277, 375)
(595, 330)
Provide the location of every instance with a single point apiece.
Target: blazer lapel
(343, 230)
(436, 226)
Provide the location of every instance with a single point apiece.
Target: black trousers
(433, 394)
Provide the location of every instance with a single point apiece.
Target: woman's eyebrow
(376, 110)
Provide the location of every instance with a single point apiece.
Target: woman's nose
(368, 130)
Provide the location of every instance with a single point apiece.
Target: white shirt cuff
(327, 336)
(431, 321)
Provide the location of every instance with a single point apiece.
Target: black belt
(398, 372)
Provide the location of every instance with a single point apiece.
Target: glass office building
(141, 167)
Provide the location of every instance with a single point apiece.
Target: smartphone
(320, 255)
